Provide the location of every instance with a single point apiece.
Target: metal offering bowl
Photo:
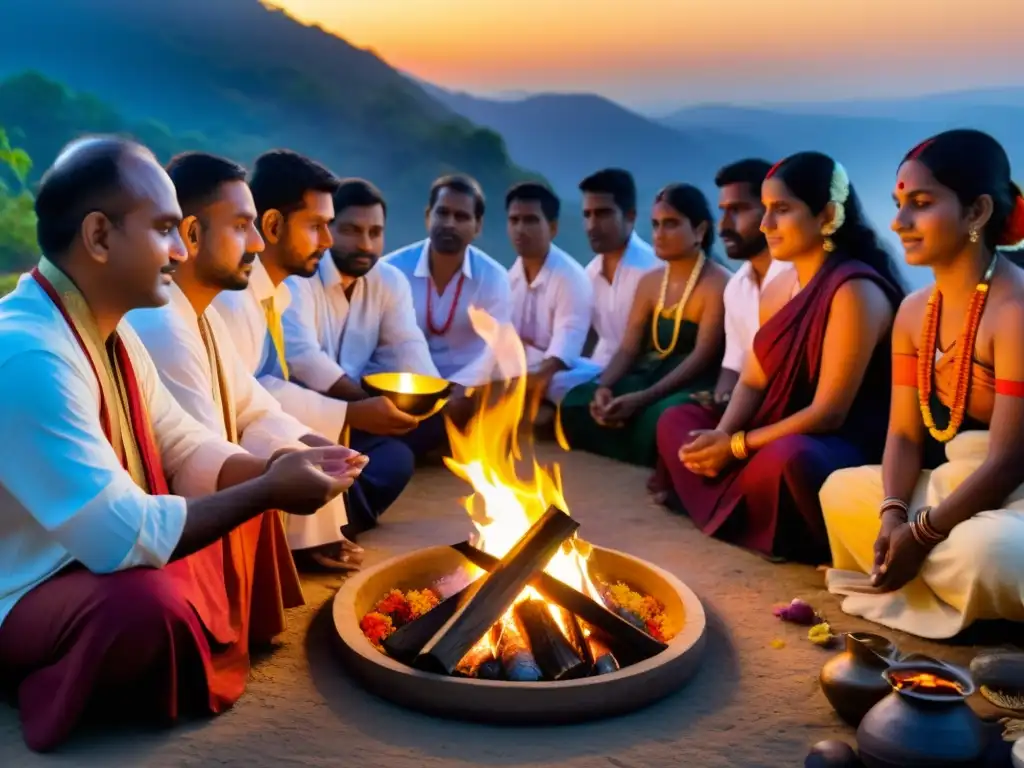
(412, 393)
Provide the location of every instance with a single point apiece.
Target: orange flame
(503, 506)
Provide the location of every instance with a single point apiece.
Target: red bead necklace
(431, 328)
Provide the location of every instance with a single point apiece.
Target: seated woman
(940, 525)
(673, 342)
(814, 395)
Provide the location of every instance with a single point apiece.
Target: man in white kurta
(448, 276)
(194, 351)
(186, 357)
(552, 298)
(739, 201)
(113, 498)
(291, 330)
(622, 258)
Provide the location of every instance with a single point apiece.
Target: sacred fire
(525, 605)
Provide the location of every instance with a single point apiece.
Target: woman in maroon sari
(814, 396)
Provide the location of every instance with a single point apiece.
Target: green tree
(18, 247)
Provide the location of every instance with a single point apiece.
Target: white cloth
(976, 573)
(742, 310)
(245, 318)
(171, 334)
(327, 335)
(460, 355)
(552, 314)
(612, 304)
(172, 337)
(64, 495)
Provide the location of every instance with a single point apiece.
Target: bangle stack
(738, 445)
(895, 504)
(923, 531)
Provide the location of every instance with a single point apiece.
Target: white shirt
(742, 304)
(461, 355)
(246, 320)
(64, 495)
(171, 335)
(552, 314)
(613, 301)
(328, 336)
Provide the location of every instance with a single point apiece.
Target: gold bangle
(738, 445)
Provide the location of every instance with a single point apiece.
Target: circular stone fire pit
(507, 702)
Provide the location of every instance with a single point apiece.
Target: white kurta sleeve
(322, 414)
(64, 472)
(571, 324)
(307, 361)
(192, 454)
(400, 332)
(263, 426)
(495, 297)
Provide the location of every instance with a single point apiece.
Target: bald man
(121, 517)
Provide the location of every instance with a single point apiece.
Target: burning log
(629, 642)
(555, 656)
(490, 596)
(604, 660)
(405, 643)
(517, 659)
(480, 655)
(578, 639)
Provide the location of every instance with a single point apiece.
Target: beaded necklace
(926, 357)
(679, 307)
(431, 328)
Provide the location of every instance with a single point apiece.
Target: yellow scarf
(109, 374)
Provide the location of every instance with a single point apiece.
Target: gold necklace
(679, 307)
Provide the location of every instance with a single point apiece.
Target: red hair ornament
(1013, 232)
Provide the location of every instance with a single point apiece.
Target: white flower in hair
(838, 194)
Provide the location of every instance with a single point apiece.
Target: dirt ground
(750, 705)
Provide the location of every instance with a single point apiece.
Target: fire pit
(527, 623)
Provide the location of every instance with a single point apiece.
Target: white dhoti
(319, 529)
(976, 573)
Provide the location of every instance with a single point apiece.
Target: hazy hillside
(248, 78)
(567, 136)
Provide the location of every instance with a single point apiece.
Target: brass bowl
(413, 393)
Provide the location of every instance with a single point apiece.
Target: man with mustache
(621, 259)
(191, 343)
(739, 200)
(309, 328)
(122, 516)
(448, 275)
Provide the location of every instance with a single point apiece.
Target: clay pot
(852, 681)
(922, 727)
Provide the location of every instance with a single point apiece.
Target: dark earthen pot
(922, 726)
(852, 681)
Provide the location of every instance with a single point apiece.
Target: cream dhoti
(976, 573)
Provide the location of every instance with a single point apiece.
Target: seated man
(739, 200)
(552, 299)
(622, 258)
(112, 590)
(448, 275)
(355, 317)
(192, 347)
(294, 207)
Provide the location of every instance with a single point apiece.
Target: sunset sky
(654, 53)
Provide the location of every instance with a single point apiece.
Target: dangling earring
(827, 231)
(973, 235)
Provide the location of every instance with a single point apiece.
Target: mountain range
(242, 77)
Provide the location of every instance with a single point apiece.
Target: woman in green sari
(672, 347)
